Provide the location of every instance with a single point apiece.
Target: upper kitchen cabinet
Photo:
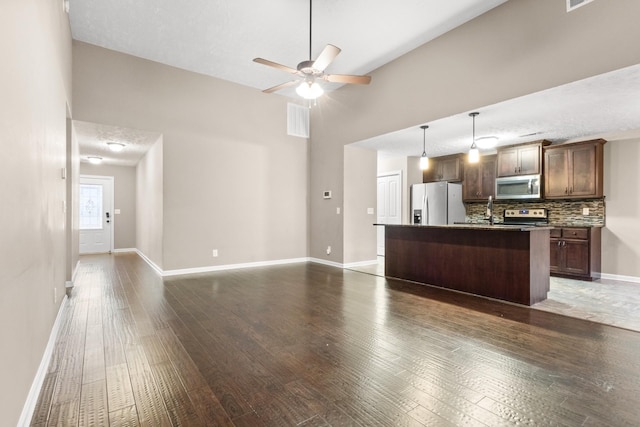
(445, 168)
(520, 159)
(574, 171)
(479, 179)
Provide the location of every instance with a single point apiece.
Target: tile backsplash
(566, 212)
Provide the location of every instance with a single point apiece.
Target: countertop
(475, 226)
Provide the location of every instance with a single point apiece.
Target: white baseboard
(360, 263)
(148, 261)
(620, 278)
(36, 386)
(213, 268)
(325, 262)
(123, 250)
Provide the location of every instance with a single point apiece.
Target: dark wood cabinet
(575, 252)
(480, 179)
(574, 171)
(520, 159)
(445, 168)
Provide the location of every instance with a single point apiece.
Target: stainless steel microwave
(518, 187)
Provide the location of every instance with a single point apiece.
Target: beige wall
(233, 179)
(149, 204)
(124, 198)
(35, 84)
(621, 236)
(515, 49)
(359, 190)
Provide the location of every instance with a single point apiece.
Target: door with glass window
(96, 215)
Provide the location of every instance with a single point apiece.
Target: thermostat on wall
(326, 194)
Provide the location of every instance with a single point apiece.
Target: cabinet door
(555, 259)
(432, 174)
(582, 180)
(488, 187)
(472, 184)
(529, 160)
(556, 173)
(508, 162)
(576, 256)
(450, 170)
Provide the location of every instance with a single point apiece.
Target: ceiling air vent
(574, 4)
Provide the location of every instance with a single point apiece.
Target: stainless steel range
(538, 216)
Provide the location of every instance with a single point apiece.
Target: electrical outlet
(585, 211)
(370, 211)
(328, 250)
(215, 253)
(55, 295)
(338, 211)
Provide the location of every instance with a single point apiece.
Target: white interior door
(96, 214)
(389, 204)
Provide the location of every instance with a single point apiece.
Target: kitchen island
(509, 263)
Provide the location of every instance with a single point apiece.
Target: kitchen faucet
(490, 210)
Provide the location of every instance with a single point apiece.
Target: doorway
(389, 204)
(96, 215)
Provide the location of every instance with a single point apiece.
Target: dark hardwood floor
(312, 345)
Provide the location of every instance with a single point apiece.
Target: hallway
(307, 344)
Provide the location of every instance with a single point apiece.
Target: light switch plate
(116, 211)
(585, 211)
(370, 211)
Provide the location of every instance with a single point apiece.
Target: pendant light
(424, 160)
(474, 154)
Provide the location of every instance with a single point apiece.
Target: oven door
(518, 187)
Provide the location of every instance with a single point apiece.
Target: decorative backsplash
(565, 212)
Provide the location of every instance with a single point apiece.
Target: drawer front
(575, 233)
(555, 232)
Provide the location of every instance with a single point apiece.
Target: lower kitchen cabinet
(575, 252)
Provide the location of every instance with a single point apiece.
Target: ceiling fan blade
(275, 65)
(281, 86)
(326, 57)
(344, 78)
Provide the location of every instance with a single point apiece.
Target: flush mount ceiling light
(486, 142)
(474, 154)
(424, 160)
(115, 146)
(95, 160)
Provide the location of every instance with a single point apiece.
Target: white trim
(151, 263)
(124, 250)
(390, 173)
(620, 277)
(326, 262)
(36, 386)
(360, 263)
(232, 266)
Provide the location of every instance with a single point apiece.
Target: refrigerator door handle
(425, 210)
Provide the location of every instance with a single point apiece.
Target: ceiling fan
(310, 71)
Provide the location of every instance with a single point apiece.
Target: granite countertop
(567, 225)
(475, 226)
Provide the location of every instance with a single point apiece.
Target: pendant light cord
(424, 139)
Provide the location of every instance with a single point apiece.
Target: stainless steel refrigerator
(437, 203)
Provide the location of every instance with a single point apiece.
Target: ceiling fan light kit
(474, 153)
(311, 71)
(424, 160)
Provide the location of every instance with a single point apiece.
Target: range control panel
(540, 213)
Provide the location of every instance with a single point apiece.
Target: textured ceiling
(606, 106)
(221, 37)
(93, 138)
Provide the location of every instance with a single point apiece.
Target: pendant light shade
(474, 153)
(424, 160)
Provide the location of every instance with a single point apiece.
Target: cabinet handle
(566, 190)
(559, 242)
(571, 190)
(564, 243)
(515, 170)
